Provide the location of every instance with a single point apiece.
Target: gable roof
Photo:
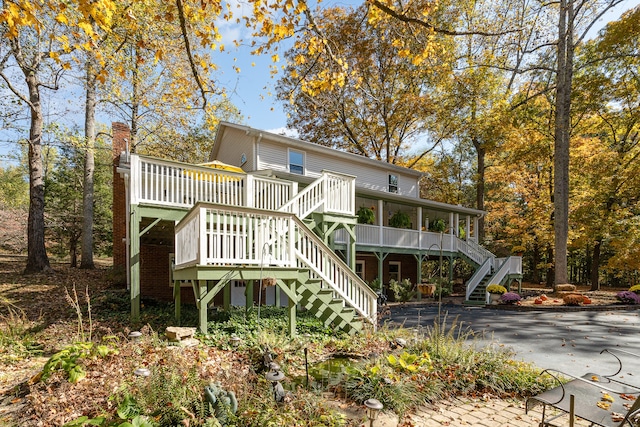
(307, 146)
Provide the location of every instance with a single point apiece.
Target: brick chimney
(121, 137)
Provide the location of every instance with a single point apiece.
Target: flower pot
(426, 289)
(493, 299)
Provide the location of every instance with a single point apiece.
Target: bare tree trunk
(480, 187)
(595, 266)
(89, 165)
(37, 260)
(562, 136)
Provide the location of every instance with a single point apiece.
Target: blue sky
(253, 89)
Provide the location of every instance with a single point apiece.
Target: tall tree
(30, 51)
(91, 83)
(381, 108)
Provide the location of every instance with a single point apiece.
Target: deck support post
(202, 306)
(419, 259)
(176, 300)
(292, 309)
(248, 300)
(134, 261)
(226, 296)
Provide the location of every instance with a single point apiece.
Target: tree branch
(187, 45)
(404, 18)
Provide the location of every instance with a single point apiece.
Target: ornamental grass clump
(573, 299)
(496, 289)
(510, 298)
(636, 289)
(628, 297)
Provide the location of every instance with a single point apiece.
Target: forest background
(503, 105)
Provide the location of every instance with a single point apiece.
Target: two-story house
(273, 219)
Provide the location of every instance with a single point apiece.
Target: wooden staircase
(478, 296)
(323, 303)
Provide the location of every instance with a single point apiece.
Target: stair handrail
(337, 274)
(502, 271)
(319, 192)
(473, 250)
(477, 277)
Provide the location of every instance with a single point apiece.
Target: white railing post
(249, 191)
(135, 177)
(203, 237)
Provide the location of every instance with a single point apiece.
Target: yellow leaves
(87, 28)
(18, 14)
(62, 19)
(300, 59)
(275, 58)
(158, 56)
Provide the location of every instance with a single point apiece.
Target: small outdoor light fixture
(142, 372)
(275, 375)
(373, 409)
(135, 336)
(235, 341)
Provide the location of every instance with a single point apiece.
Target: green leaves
(409, 362)
(67, 360)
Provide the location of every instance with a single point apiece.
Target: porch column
(380, 222)
(456, 221)
(419, 213)
(467, 230)
(134, 261)
(451, 228)
(475, 229)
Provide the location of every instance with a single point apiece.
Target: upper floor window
(296, 162)
(393, 183)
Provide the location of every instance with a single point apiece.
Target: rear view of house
(315, 223)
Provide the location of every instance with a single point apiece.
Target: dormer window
(393, 183)
(296, 162)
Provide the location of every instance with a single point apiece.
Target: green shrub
(403, 291)
(635, 288)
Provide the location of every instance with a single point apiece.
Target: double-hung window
(296, 162)
(393, 183)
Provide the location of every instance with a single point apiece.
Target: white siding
(273, 155)
(236, 142)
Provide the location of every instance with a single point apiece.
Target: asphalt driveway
(569, 341)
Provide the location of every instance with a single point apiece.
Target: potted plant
(437, 225)
(510, 298)
(366, 215)
(494, 292)
(400, 220)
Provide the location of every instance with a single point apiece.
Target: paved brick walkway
(482, 413)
